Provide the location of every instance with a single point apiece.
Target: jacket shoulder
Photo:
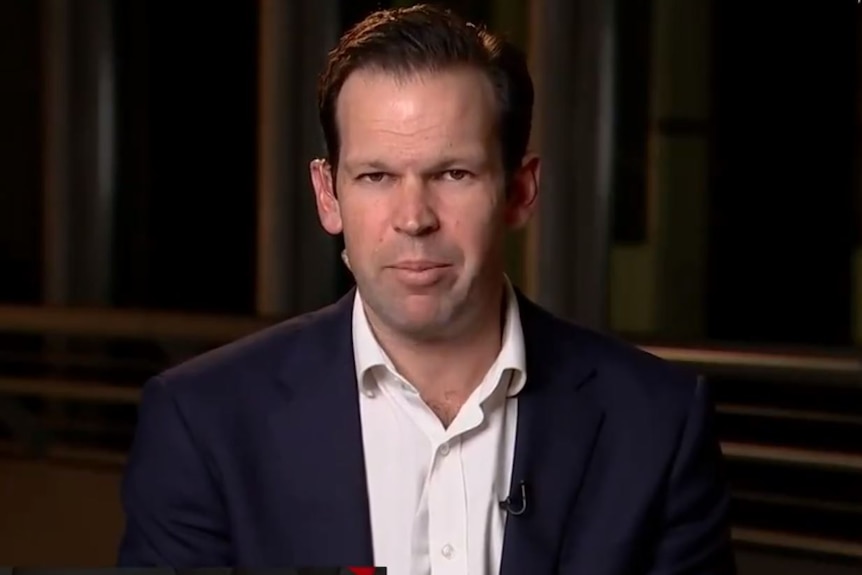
(258, 355)
(624, 371)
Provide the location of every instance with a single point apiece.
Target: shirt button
(448, 551)
(369, 393)
(444, 449)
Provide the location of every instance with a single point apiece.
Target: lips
(420, 274)
(418, 266)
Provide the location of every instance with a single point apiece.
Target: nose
(414, 214)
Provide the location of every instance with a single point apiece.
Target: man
(434, 420)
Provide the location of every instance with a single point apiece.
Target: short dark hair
(427, 38)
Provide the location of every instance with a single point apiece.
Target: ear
(328, 209)
(523, 192)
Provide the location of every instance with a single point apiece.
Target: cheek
(475, 232)
(364, 229)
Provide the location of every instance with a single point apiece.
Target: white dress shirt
(434, 492)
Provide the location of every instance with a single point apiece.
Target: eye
(455, 175)
(372, 177)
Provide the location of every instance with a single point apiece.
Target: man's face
(420, 195)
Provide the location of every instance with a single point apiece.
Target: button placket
(447, 522)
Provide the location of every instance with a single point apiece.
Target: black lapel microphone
(516, 504)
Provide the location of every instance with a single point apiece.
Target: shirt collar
(368, 354)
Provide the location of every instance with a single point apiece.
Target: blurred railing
(790, 420)
(791, 428)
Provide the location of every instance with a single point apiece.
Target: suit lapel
(321, 460)
(557, 428)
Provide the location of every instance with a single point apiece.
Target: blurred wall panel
(782, 195)
(132, 253)
(574, 60)
(680, 145)
(187, 155)
(857, 195)
(659, 256)
(79, 136)
(56, 39)
(297, 261)
(20, 153)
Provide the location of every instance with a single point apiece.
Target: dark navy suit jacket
(251, 455)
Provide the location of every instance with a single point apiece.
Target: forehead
(380, 112)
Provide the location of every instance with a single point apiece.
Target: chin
(418, 322)
(419, 316)
(425, 332)
(421, 325)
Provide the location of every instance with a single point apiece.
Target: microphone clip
(516, 505)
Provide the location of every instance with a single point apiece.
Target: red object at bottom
(362, 570)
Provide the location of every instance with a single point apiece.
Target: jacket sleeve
(695, 536)
(174, 514)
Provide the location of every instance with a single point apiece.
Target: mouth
(419, 265)
(420, 274)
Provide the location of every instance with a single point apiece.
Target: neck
(450, 368)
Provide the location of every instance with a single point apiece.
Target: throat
(445, 407)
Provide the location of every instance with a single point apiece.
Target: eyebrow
(445, 163)
(453, 161)
(366, 165)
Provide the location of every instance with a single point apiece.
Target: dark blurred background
(700, 198)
